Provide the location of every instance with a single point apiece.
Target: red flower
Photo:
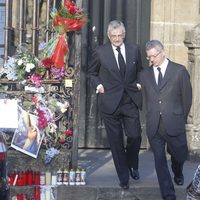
(43, 141)
(47, 62)
(34, 100)
(68, 132)
(72, 10)
(42, 121)
(68, 4)
(61, 140)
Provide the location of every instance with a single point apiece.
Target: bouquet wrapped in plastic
(68, 18)
(23, 66)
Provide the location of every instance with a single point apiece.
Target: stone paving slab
(101, 175)
(102, 182)
(112, 193)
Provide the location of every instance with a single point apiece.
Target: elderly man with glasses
(113, 72)
(168, 94)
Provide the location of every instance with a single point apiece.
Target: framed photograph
(27, 137)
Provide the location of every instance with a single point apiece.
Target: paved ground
(101, 172)
(103, 184)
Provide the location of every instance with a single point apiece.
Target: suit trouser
(158, 143)
(126, 116)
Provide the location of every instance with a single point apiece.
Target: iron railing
(20, 36)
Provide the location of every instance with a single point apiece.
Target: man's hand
(139, 86)
(100, 89)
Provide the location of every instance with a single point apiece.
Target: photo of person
(27, 137)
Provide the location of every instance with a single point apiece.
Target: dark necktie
(122, 64)
(160, 77)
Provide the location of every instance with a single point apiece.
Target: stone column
(192, 42)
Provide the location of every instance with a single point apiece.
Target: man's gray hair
(156, 44)
(115, 24)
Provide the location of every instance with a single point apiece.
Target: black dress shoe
(179, 180)
(134, 174)
(124, 186)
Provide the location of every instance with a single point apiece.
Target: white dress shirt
(163, 68)
(122, 48)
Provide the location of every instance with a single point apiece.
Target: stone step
(113, 193)
(102, 182)
(89, 192)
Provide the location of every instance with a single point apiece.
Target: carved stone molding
(192, 42)
(192, 37)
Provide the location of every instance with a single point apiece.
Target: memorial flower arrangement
(69, 17)
(27, 68)
(23, 66)
(54, 139)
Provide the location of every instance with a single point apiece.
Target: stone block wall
(170, 19)
(192, 42)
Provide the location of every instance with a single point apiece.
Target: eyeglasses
(153, 56)
(114, 37)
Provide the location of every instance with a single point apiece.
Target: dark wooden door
(136, 16)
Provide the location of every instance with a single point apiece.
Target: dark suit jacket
(104, 70)
(173, 99)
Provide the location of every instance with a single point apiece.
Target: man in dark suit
(113, 72)
(168, 94)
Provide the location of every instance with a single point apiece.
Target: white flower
(52, 127)
(64, 107)
(19, 62)
(29, 66)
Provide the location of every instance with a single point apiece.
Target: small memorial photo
(27, 137)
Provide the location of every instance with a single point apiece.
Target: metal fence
(27, 21)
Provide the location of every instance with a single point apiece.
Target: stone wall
(175, 23)
(192, 42)
(170, 19)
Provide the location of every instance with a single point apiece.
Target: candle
(59, 177)
(66, 177)
(48, 178)
(11, 178)
(42, 178)
(19, 196)
(15, 179)
(54, 178)
(78, 177)
(37, 193)
(72, 177)
(19, 180)
(42, 193)
(37, 178)
(30, 178)
(47, 194)
(24, 178)
(83, 176)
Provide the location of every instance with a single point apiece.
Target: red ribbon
(60, 51)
